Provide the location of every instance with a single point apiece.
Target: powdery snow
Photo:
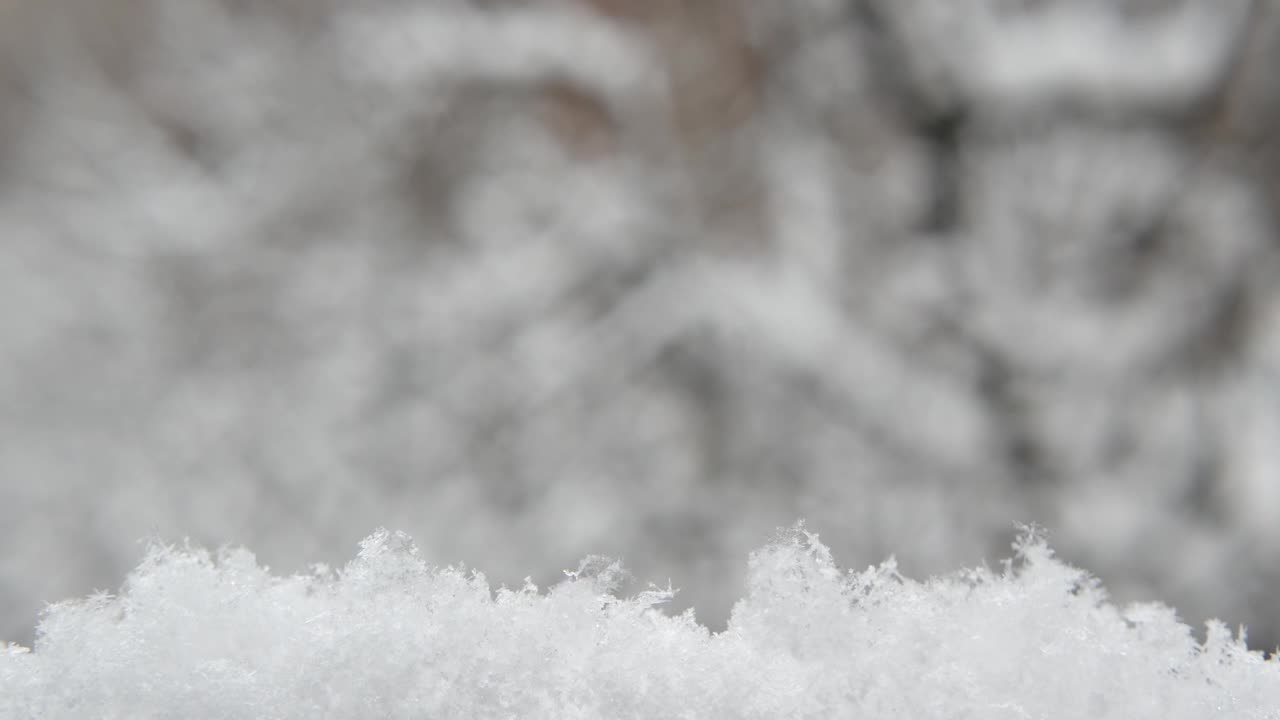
(196, 634)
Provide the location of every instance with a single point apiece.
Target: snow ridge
(214, 635)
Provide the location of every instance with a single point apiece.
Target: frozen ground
(643, 278)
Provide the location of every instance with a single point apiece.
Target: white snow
(214, 635)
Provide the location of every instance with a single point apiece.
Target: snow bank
(198, 635)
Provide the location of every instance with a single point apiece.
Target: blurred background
(649, 278)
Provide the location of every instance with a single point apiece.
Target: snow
(216, 635)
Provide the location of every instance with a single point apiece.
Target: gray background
(532, 280)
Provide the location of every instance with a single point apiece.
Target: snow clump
(215, 635)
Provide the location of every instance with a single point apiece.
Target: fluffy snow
(199, 634)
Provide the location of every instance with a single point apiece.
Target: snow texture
(195, 634)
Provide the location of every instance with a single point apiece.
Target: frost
(199, 634)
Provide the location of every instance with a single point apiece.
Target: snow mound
(195, 634)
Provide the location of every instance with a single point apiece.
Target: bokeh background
(649, 278)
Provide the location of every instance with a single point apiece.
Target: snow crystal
(198, 634)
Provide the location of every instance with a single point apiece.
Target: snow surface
(196, 634)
